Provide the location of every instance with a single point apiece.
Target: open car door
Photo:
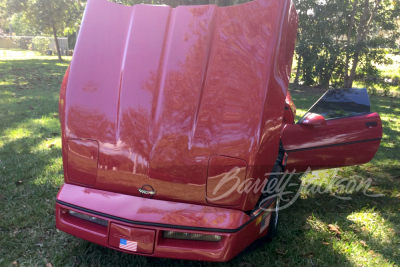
(339, 130)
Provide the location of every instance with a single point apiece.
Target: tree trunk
(57, 45)
(361, 36)
(351, 24)
(354, 67)
(296, 80)
(325, 78)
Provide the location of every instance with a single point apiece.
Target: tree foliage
(336, 37)
(46, 16)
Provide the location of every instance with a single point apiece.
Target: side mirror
(314, 120)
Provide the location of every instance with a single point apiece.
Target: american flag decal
(266, 217)
(128, 245)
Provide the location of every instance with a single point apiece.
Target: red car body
(159, 104)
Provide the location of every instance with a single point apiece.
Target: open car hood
(153, 92)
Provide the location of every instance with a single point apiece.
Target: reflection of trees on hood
(88, 123)
(225, 90)
(197, 113)
(175, 3)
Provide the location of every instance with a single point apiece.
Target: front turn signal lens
(87, 218)
(191, 236)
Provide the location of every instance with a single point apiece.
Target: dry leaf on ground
(280, 252)
(334, 228)
(309, 255)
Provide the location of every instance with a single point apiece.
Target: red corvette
(165, 110)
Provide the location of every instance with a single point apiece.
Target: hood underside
(161, 90)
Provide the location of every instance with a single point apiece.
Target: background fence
(41, 44)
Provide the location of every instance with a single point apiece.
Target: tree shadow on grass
(30, 156)
(28, 89)
(30, 177)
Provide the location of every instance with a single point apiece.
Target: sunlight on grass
(26, 54)
(47, 144)
(373, 231)
(300, 112)
(6, 83)
(22, 53)
(30, 128)
(391, 70)
(373, 225)
(14, 134)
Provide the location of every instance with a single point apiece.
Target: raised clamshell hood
(162, 89)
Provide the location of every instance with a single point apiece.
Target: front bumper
(145, 220)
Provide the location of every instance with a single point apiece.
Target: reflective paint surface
(151, 210)
(166, 89)
(169, 101)
(341, 142)
(230, 245)
(290, 110)
(221, 169)
(82, 161)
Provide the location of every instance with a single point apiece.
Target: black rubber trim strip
(371, 123)
(341, 144)
(218, 230)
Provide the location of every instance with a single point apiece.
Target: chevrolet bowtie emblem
(147, 191)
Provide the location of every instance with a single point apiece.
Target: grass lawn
(393, 70)
(15, 53)
(31, 174)
(388, 72)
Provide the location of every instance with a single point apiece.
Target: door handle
(371, 124)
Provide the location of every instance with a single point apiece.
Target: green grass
(393, 70)
(16, 52)
(389, 72)
(31, 174)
